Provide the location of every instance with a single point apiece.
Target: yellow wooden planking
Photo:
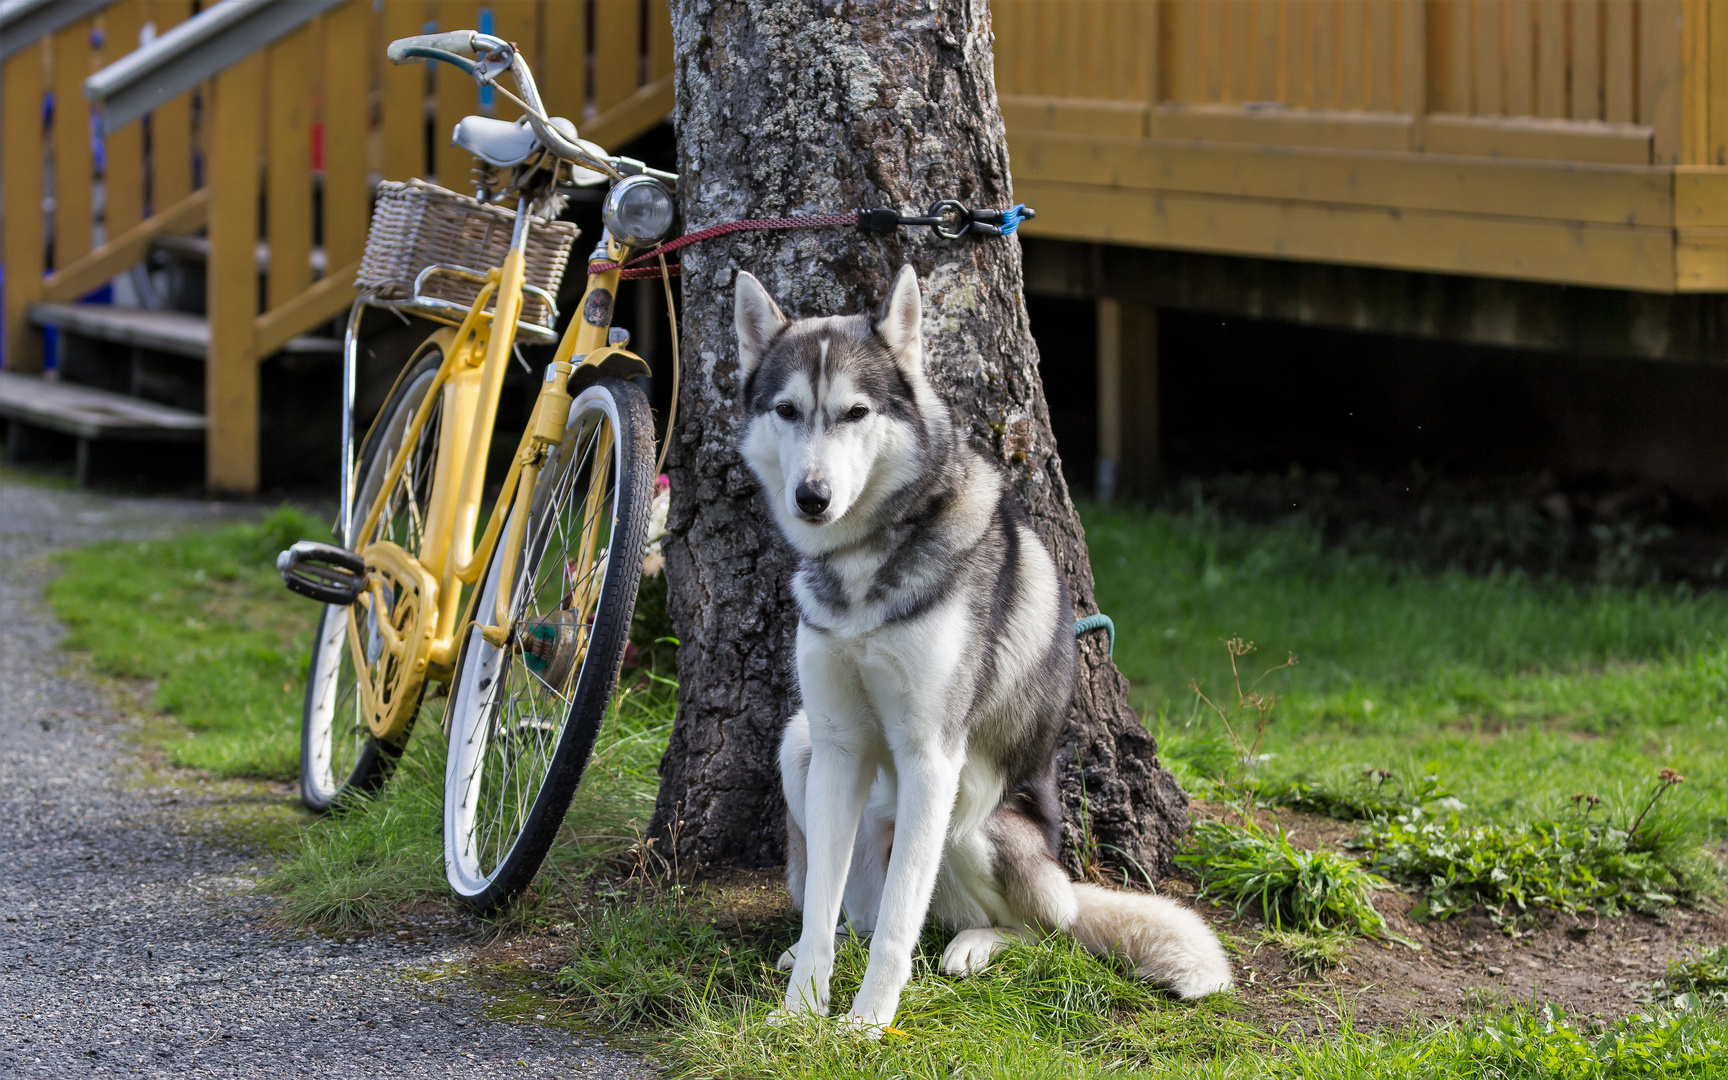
(1600, 194)
(318, 304)
(1716, 90)
(1447, 55)
(1266, 17)
(288, 165)
(518, 21)
(1328, 128)
(1236, 50)
(1487, 59)
(1323, 54)
(123, 178)
(1294, 64)
(74, 162)
(660, 54)
(170, 124)
(1701, 214)
(1551, 58)
(457, 96)
(1619, 61)
(1584, 141)
(1352, 56)
(231, 372)
(564, 44)
(404, 96)
(1382, 60)
(1701, 261)
(1528, 249)
(1412, 56)
(349, 57)
(1661, 64)
(1077, 116)
(1585, 70)
(1519, 19)
(127, 249)
(617, 51)
(22, 84)
(1178, 56)
(634, 115)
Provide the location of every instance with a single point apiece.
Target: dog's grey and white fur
(936, 662)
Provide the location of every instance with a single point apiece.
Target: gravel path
(131, 948)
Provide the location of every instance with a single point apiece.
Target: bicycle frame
(469, 383)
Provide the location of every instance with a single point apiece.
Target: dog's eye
(787, 410)
(857, 412)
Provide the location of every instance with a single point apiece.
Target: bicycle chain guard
(390, 628)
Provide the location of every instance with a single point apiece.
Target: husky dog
(936, 662)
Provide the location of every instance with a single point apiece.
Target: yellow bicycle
(523, 615)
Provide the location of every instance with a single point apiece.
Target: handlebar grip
(459, 42)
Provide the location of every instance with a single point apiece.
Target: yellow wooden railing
(1577, 141)
(304, 127)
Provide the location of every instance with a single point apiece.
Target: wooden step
(85, 412)
(173, 332)
(197, 249)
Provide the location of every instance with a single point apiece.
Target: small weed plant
(1705, 977)
(1587, 863)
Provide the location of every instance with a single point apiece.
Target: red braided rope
(673, 270)
(712, 231)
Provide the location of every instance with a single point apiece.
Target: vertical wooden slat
(1325, 54)
(1213, 59)
(1351, 54)
(22, 83)
(1412, 57)
(1695, 80)
(1551, 58)
(1299, 52)
(457, 96)
(348, 58)
(74, 163)
(1179, 45)
(1520, 22)
(231, 372)
(518, 21)
(1661, 64)
(123, 177)
(1487, 96)
(1586, 59)
(1382, 37)
(171, 176)
(288, 172)
(1046, 76)
(659, 40)
(1148, 49)
(616, 51)
(1716, 87)
(1236, 51)
(1449, 52)
(404, 103)
(1619, 63)
(1109, 313)
(1268, 55)
(565, 45)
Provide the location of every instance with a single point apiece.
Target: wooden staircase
(303, 122)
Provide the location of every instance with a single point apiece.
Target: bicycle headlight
(638, 211)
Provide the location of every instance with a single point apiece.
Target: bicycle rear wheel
(338, 753)
(523, 718)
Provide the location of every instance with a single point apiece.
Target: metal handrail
(24, 24)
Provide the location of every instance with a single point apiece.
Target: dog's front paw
(970, 951)
(864, 1027)
(787, 959)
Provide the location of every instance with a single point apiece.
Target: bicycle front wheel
(338, 753)
(523, 717)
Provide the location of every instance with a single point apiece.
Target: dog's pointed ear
(758, 319)
(898, 323)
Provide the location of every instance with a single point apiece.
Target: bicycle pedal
(324, 572)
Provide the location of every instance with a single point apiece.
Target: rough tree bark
(795, 107)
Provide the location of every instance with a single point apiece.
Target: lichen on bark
(800, 107)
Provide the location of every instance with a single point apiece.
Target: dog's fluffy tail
(1166, 942)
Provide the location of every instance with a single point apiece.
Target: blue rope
(1011, 219)
(1096, 622)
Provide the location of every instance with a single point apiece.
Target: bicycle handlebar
(426, 46)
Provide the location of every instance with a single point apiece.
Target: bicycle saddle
(502, 142)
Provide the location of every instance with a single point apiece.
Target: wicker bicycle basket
(416, 225)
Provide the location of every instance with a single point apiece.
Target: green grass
(1470, 707)
(206, 616)
(1290, 889)
(1514, 693)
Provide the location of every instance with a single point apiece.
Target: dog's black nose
(813, 496)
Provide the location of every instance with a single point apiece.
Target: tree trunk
(802, 107)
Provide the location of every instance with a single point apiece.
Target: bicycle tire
(339, 759)
(518, 742)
